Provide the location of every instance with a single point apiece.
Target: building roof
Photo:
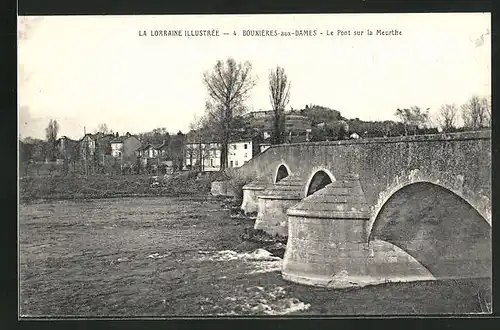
(250, 139)
(64, 137)
(107, 137)
(97, 136)
(119, 139)
(90, 135)
(203, 142)
(144, 147)
(161, 146)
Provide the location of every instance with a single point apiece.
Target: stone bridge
(369, 211)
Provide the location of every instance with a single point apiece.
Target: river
(180, 257)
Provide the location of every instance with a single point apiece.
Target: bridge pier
(328, 243)
(274, 202)
(251, 192)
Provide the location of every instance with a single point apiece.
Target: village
(159, 153)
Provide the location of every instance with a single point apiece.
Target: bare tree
(103, 128)
(228, 85)
(279, 89)
(413, 118)
(476, 112)
(196, 126)
(446, 118)
(486, 102)
(51, 134)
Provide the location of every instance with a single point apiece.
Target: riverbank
(109, 186)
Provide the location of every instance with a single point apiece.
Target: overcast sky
(87, 70)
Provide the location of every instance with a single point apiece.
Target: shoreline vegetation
(74, 187)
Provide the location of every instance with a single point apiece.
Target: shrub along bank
(106, 186)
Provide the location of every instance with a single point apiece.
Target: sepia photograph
(264, 165)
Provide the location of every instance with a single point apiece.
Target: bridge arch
(281, 172)
(481, 203)
(438, 228)
(318, 180)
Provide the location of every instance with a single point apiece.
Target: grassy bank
(107, 186)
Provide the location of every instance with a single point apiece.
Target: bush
(236, 184)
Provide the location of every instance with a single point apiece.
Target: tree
(156, 136)
(228, 85)
(279, 89)
(103, 128)
(87, 156)
(176, 147)
(413, 118)
(51, 135)
(446, 117)
(476, 112)
(196, 126)
(138, 165)
(343, 130)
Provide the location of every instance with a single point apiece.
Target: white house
(239, 152)
(116, 148)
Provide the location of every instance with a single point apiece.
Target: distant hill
(324, 124)
(295, 120)
(319, 114)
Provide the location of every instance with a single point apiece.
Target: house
(87, 146)
(205, 156)
(103, 144)
(95, 148)
(67, 148)
(156, 158)
(240, 152)
(164, 161)
(162, 150)
(62, 143)
(145, 152)
(125, 146)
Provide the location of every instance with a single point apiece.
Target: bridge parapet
(461, 136)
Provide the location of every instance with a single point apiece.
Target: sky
(87, 70)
